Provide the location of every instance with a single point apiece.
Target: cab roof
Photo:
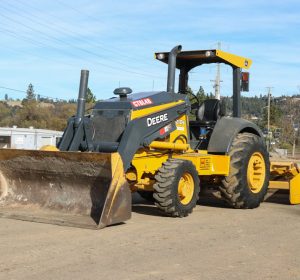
(191, 59)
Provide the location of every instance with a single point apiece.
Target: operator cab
(211, 110)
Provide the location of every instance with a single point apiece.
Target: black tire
(235, 188)
(166, 194)
(147, 195)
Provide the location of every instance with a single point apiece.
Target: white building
(27, 138)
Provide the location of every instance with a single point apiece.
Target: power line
(36, 44)
(110, 48)
(82, 12)
(13, 89)
(75, 46)
(54, 26)
(40, 95)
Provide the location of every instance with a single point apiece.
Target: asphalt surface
(215, 242)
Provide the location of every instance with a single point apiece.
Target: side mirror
(245, 81)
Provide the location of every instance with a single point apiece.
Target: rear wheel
(176, 190)
(248, 179)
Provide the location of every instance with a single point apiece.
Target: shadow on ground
(142, 206)
(278, 197)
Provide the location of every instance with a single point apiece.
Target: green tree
(201, 94)
(193, 100)
(90, 97)
(189, 92)
(31, 114)
(30, 95)
(5, 114)
(289, 123)
(61, 113)
(275, 115)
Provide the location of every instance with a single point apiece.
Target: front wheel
(249, 174)
(176, 190)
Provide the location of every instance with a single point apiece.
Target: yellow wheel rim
(256, 172)
(186, 188)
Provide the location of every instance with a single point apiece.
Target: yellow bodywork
(148, 160)
(286, 176)
(233, 59)
(49, 148)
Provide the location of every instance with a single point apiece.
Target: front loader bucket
(66, 188)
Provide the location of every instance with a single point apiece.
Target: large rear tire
(249, 174)
(176, 190)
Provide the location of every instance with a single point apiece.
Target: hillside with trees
(39, 112)
(284, 115)
(47, 113)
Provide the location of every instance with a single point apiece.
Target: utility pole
(294, 143)
(217, 81)
(269, 112)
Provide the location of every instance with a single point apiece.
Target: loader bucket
(66, 188)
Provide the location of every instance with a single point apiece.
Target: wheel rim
(256, 172)
(186, 188)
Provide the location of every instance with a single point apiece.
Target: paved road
(213, 243)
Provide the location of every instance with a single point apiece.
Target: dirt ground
(215, 242)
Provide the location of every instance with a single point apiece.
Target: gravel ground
(215, 242)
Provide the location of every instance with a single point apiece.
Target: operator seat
(209, 112)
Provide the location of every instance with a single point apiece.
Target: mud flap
(65, 188)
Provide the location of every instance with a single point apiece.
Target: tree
(189, 92)
(201, 94)
(5, 115)
(290, 124)
(32, 115)
(193, 100)
(30, 93)
(275, 115)
(90, 97)
(6, 97)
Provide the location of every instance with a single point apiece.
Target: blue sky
(46, 43)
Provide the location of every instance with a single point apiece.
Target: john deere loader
(140, 142)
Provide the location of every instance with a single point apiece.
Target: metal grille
(109, 124)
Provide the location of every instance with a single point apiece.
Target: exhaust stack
(84, 77)
(172, 68)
